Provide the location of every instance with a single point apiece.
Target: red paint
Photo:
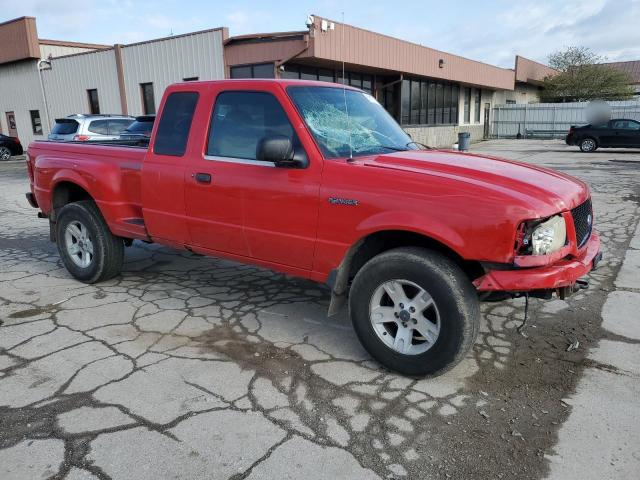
(282, 219)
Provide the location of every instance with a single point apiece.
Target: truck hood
(534, 186)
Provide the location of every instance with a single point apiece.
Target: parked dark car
(140, 129)
(619, 132)
(9, 146)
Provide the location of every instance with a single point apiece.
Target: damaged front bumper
(561, 277)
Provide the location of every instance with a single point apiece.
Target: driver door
(261, 211)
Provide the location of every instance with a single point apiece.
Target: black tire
(108, 249)
(5, 153)
(588, 145)
(454, 295)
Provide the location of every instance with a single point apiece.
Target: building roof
(631, 68)
(529, 71)
(267, 37)
(64, 43)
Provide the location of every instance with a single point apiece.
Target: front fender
(414, 223)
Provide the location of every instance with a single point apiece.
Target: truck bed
(117, 194)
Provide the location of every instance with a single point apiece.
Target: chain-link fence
(550, 120)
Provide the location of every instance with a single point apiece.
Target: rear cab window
(175, 123)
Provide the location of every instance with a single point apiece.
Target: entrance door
(487, 112)
(11, 124)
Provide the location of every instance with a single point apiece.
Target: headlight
(549, 236)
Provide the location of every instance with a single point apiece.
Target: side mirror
(279, 150)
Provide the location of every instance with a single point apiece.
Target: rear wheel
(5, 153)
(89, 251)
(414, 311)
(588, 145)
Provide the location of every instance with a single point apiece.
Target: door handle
(202, 178)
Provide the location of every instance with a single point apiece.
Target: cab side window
(175, 124)
(241, 119)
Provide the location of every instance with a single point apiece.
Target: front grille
(583, 221)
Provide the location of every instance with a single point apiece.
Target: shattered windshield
(348, 123)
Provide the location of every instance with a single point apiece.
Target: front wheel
(414, 311)
(89, 251)
(588, 145)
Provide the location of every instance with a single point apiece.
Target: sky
(489, 31)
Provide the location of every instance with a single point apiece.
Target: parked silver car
(85, 128)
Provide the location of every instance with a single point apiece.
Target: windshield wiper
(426, 147)
(396, 149)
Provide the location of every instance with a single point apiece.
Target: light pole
(44, 65)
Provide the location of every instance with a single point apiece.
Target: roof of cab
(282, 82)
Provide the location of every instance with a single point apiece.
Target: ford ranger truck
(318, 181)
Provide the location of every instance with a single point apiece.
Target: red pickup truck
(318, 181)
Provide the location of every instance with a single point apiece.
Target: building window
(446, 112)
(455, 99)
(148, 99)
(511, 102)
(405, 102)
(415, 102)
(36, 123)
(358, 80)
(190, 79)
(467, 105)
(429, 103)
(476, 105)
(258, 70)
(94, 103)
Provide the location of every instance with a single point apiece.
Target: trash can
(464, 140)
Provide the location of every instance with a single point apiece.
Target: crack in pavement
(223, 367)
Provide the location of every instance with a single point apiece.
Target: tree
(582, 77)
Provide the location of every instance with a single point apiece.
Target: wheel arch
(380, 241)
(64, 192)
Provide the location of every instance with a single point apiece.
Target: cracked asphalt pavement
(191, 367)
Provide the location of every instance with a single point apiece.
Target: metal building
(41, 80)
(433, 94)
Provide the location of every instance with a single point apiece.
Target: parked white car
(85, 128)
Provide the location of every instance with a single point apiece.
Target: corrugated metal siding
(362, 47)
(168, 61)
(19, 93)
(69, 78)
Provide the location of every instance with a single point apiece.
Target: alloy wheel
(5, 153)
(78, 244)
(588, 145)
(405, 317)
